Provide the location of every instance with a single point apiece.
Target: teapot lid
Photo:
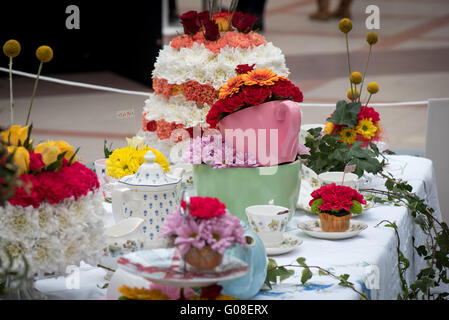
(150, 173)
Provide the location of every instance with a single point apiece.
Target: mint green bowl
(240, 188)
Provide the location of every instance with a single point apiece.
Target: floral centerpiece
(251, 88)
(55, 217)
(203, 231)
(335, 204)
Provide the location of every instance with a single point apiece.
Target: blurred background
(117, 44)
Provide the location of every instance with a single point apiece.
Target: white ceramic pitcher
(149, 194)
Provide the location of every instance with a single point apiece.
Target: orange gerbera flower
(261, 77)
(233, 86)
(142, 293)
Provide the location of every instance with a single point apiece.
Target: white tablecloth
(369, 258)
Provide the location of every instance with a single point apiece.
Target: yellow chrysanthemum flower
(366, 128)
(348, 135)
(372, 87)
(355, 77)
(15, 134)
(371, 38)
(354, 94)
(329, 127)
(44, 53)
(11, 48)
(127, 160)
(345, 25)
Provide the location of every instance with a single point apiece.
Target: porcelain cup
(269, 222)
(350, 179)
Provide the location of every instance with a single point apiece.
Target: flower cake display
(55, 217)
(191, 69)
(335, 204)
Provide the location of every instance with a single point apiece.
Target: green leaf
(356, 207)
(301, 261)
(305, 275)
(346, 113)
(284, 273)
(322, 273)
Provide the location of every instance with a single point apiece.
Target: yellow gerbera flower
(261, 77)
(233, 86)
(348, 135)
(366, 128)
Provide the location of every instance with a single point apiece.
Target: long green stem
(349, 65)
(369, 98)
(11, 98)
(364, 72)
(34, 92)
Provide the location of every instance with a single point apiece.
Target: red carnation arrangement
(205, 207)
(54, 186)
(251, 87)
(334, 198)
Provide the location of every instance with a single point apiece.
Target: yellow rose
(135, 142)
(64, 146)
(15, 134)
(21, 158)
(49, 151)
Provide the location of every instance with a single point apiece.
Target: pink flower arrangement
(207, 223)
(75, 181)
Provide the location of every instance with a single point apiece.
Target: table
(369, 258)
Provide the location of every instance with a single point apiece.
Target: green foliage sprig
(107, 150)
(328, 153)
(435, 251)
(274, 272)
(8, 175)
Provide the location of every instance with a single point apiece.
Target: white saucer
(313, 229)
(288, 244)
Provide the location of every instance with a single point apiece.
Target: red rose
(211, 31)
(244, 68)
(191, 22)
(243, 22)
(255, 95)
(152, 126)
(36, 162)
(204, 17)
(205, 207)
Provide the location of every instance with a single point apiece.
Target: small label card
(125, 114)
(350, 168)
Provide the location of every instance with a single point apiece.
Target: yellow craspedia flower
(355, 77)
(353, 94)
(44, 53)
(15, 135)
(21, 158)
(345, 25)
(371, 38)
(348, 135)
(127, 160)
(329, 128)
(372, 87)
(11, 48)
(366, 128)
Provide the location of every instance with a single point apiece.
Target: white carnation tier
(186, 83)
(54, 236)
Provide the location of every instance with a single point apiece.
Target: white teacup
(350, 179)
(269, 222)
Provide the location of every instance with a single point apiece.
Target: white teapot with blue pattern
(150, 194)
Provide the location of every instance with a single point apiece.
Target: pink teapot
(269, 131)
